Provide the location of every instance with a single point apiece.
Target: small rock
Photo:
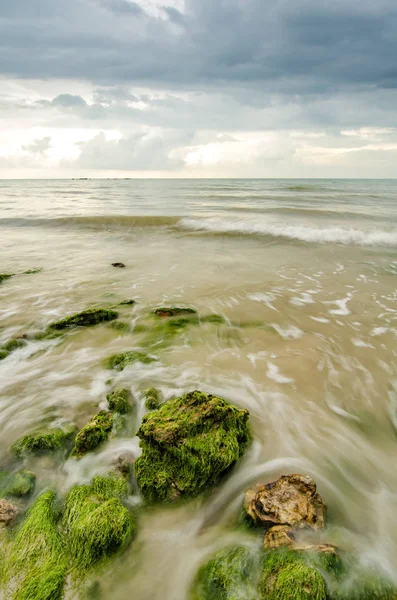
(279, 536)
(120, 265)
(8, 512)
(291, 500)
(124, 462)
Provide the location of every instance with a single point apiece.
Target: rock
(120, 401)
(152, 398)
(37, 564)
(94, 434)
(173, 311)
(8, 513)
(229, 575)
(279, 536)
(87, 318)
(120, 265)
(127, 303)
(188, 444)
(41, 443)
(291, 500)
(96, 522)
(123, 464)
(120, 361)
(17, 484)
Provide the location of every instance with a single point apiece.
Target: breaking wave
(310, 234)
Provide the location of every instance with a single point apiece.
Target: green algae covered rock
(230, 575)
(5, 276)
(96, 522)
(120, 401)
(13, 345)
(3, 354)
(152, 398)
(17, 484)
(187, 444)
(173, 311)
(95, 433)
(120, 361)
(42, 443)
(37, 564)
(121, 327)
(286, 575)
(127, 303)
(87, 318)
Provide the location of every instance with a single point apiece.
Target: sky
(198, 88)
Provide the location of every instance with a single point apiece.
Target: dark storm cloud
(305, 45)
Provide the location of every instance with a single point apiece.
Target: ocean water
(304, 273)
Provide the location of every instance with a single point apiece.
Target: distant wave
(323, 235)
(96, 222)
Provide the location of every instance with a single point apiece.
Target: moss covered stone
(95, 433)
(87, 318)
(173, 311)
(5, 276)
(17, 484)
(152, 398)
(13, 345)
(37, 565)
(230, 575)
(120, 361)
(41, 443)
(286, 575)
(120, 401)
(127, 303)
(96, 522)
(188, 444)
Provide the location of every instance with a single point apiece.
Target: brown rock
(279, 536)
(290, 500)
(8, 512)
(120, 265)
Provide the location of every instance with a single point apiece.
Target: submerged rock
(5, 276)
(120, 326)
(41, 443)
(87, 318)
(229, 575)
(120, 361)
(291, 500)
(127, 303)
(187, 444)
(120, 401)
(120, 265)
(37, 565)
(96, 522)
(11, 346)
(32, 271)
(123, 464)
(173, 311)
(8, 513)
(17, 484)
(95, 433)
(152, 398)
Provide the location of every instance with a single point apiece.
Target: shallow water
(304, 272)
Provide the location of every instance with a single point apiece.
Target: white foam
(288, 333)
(273, 373)
(319, 235)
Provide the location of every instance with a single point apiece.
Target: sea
(304, 275)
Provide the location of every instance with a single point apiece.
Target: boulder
(290, 500)
(188, 444)
(8, 512)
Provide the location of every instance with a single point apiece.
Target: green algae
(119, 401)
(229, 575)
(38, 564)
(32, 271)
(187, 444)
(286, 575)
(94, 434)
(87, 318)
(152, 398)
(214, 319)
(17, 484)
(3, 354)
(173, 311)
(41, 443)
(96, 522)
(13, 345)
(122, 360)
(5, 276)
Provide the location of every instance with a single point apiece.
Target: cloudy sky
(198, 88)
